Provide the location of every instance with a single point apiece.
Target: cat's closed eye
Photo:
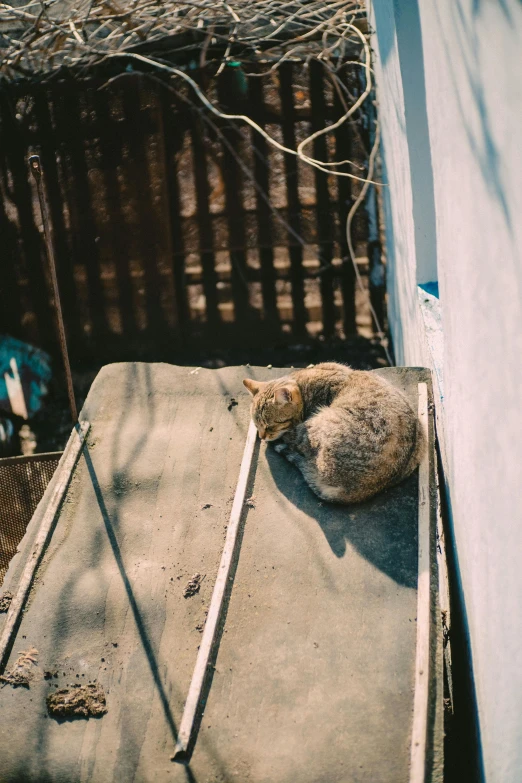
(277, 427)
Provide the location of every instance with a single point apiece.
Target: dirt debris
(80, 701)
(5, 601)
(192, 586)
(251, 502)
(23, 670)
(233, 402)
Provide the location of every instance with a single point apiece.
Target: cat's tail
(421, 445)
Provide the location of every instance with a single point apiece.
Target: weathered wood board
(314, 675)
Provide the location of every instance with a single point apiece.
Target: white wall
(468, 54)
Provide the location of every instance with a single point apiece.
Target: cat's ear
(254, 387)
(283, 395)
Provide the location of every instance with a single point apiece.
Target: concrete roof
(313, 679)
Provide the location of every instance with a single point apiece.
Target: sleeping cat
(350, 432)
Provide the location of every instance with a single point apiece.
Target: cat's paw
(280, 447)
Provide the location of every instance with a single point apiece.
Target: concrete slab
(313, 679)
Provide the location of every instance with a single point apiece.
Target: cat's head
(276, 406)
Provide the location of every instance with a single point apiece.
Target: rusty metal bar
(36, 170)
(14, 160)
(44, 103)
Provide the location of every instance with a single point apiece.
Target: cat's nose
(262, 434)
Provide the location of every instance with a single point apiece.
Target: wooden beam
(64, 473)
(422, 658)
(209, 634)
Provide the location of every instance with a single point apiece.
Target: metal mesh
(23, 481)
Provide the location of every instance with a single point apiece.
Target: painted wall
(449, 78)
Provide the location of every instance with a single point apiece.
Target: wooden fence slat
(264, 215)
(344, 149)
(236, 217)
(11, 311)
(324, 221)
(204, 220)
(120, 231)
(74, 165)
(376, 271)
(292, 195)
(137, 174)
(172, 140)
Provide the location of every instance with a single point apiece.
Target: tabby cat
(350, 432)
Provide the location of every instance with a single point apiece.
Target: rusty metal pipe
(36, 171)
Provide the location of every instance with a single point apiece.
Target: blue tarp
(25, 373)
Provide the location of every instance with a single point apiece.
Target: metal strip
(422, 658)
(209, 633)
(36, 170)
(71, 454)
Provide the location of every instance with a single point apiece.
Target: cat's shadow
(383, 529)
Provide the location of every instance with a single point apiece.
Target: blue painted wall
(449, 76)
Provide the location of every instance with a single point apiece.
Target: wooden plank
(344, 151)
(119, 231)
(323, 206)
(292, 194)
(11, 312)
(71, 130)
(422, 658)
(216, 603)
(65, 469)
(204, 220)
(235, 212)
(139, 189)
(376, 271)
(172, 139)
(264, 214)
